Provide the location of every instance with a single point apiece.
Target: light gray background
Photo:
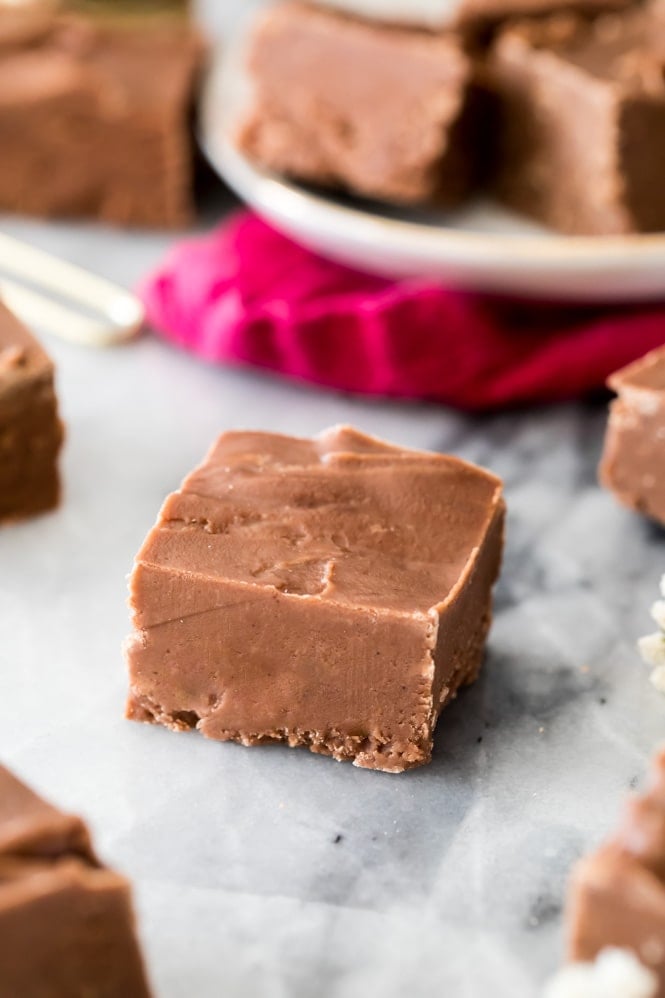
(446, 881)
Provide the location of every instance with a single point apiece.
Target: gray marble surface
(276, 873)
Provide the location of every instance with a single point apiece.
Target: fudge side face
(618, 894)
(333, 593)
(581, 108)
(380, 111)
(633, 462)
(30, 430)
(66, 922)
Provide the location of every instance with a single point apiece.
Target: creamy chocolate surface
(581, 120)
(333, 593)
(633, 462)
(95, 116)
(381, 111)
(618, 893)
(31, 433)
(66, 923)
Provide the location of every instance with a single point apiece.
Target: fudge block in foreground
(66, 922)
(633, 463)
(380, 111)
(95, 114)
(581, 127)
(333, 593)
(618, 894)
(30, 431)
(615, 973)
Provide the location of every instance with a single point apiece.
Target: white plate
(482, 247)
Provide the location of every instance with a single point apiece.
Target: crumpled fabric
(246, 294)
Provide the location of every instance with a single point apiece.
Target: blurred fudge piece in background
(380, 111)
(95, 110)
(618, 893)
(581, 128)
(30, 430)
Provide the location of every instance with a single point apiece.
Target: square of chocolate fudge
(633, 462)
(617, 894)
(30, 430)
(581, 120)
(66, 922)
(468, 14)
(381, 111)
(333, 593)
(95, 116)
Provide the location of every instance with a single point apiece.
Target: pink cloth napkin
(246, 294)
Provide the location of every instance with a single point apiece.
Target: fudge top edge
(343, 518)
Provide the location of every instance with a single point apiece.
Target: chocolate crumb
(67, 921)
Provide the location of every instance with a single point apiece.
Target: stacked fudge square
(384, 112)
(556, 107)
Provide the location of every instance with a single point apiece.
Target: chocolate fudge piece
(333, 593)
(618, 893)
(95, 118)
(30, 431)
(383, 112)
(633, 463)
(66, 922)
(582, 120)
